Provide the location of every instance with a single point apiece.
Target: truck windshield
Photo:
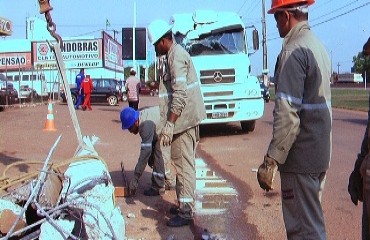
(230, 42)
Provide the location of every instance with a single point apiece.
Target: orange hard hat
(275, 4)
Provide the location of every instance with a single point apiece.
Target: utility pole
(114, 34)
(134, 43)
(265, 69)
(338, 65)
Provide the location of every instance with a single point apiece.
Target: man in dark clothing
(147, 123)
(355, 183)
(79, 78)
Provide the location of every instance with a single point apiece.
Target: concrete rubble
(76, 204)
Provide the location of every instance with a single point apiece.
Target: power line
(242, 6)
(326, 14)
(332, 18)
(251, 9)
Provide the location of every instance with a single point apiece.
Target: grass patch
(353, 99)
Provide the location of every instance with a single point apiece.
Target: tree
(361, 64)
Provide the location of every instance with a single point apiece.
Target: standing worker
(79, 78)
(133, 88)
(147, 124)
(87, 87)
(182, 109)
(301, 145)
(355, 183)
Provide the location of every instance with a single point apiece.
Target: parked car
(144, 89)
(8, 94)
(106, 90)
(28, 93)
(265, 92)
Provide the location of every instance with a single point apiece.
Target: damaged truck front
(217, 43)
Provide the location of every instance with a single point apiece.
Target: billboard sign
(6, 27)
(140, 43)
(15, 61)
(85, 53)
(112, 53)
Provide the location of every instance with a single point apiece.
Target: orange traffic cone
(49, 124)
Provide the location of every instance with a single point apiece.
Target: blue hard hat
(128, 117)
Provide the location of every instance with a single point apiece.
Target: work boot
(174, 210)
(84, 108)
(178, 221)
(154, 192)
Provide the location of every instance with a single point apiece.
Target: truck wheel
(112, 100)
(248, 126)
(74, 99)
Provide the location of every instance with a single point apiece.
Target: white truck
(217, 43)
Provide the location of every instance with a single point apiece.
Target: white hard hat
(132, 70)
(157, 29)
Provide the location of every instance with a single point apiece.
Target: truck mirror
(256, 41)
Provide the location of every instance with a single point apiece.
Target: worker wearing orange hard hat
(279, 5)
(301, 143)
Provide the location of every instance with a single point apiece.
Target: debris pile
(76, 204)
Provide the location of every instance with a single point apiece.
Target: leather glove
(355, 186)
(266, 173)
(167, 134)
(133, 186)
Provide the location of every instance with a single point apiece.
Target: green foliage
(361, 64)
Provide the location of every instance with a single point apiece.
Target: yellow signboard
(6, 27)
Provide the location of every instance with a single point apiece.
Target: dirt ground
(23, 138)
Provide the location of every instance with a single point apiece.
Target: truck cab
(217, 44)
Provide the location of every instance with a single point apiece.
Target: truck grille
(217, 76)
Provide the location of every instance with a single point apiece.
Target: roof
(204, 21)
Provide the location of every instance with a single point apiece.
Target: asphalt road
(226, 156)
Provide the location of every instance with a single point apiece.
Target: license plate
(220, 114)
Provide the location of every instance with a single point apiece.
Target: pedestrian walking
(301, 143)
(80, 97)
(181, 110)
(147, 123)
(133, 88)
(358, 179)
(87, 87)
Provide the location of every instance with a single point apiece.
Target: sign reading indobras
(76, 54)
(6, 27)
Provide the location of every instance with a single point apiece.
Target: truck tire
(248, 126)
(74, 99)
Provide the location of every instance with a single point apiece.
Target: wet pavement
(219, 213)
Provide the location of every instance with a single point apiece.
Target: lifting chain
(45, 8)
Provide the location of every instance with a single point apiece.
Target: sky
(342, 25)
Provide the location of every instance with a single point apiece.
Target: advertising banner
(15, 61)
(112, 53)
(6, 27)
(76, 54)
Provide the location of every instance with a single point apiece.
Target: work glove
(355, 186)
(133, 186)
(167, 134)
(266, 173)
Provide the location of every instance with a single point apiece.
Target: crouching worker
(147, 124)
